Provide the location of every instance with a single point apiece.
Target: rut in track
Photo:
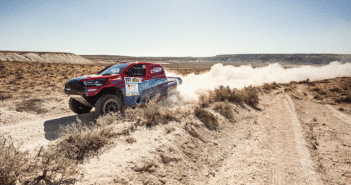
(275, 154)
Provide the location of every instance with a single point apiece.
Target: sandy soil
(292, 137)
(285, 141)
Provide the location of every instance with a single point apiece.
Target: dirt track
(278, 153)
(271, 145)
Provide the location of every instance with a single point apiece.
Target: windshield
(115, 69)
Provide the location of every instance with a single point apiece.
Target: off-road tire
(107, 104)
(78, 107)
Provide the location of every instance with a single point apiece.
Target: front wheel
(107, 104)
(78, 107)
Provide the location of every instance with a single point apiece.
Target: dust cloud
(245, 75)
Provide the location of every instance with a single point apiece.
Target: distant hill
(47, 57)
(285, 58)
(235, 58)
(62, 57)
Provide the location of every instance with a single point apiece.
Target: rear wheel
(107, 104)
(78, 107)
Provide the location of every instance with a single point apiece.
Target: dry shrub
(224, 109)
(307, 81)
(82, 142)
(131, 140)
(267, 87)
(108, 119)
(45, 167)
(247, 95)
(31, 105)
(167, 116)
(323, 92)
(225, 93)
(345, 99)
(51, 167)
(134, 113)
(4, 96)
(318, 97)
(12, 161)
(335, 89)
(151, 114)
(287, 89)
(207, 118)
(315, 89)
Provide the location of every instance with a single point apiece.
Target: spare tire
(78, 107)
(107, 104)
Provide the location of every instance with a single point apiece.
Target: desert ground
(294, 133)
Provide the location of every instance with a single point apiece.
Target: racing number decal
(132, 86)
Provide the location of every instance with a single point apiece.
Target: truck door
(135, 83)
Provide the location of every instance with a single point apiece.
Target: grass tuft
(248, 95)
(225, 109)
(47, 166)
(131, 140)
(206, 117)
(151, 114)
(268, 87)
(345, 99)
(82, 142)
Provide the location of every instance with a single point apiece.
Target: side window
(137, 70)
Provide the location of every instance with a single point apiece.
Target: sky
(196, 28)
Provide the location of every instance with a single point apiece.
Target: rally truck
(119, 86)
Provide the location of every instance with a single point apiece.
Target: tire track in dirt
(339, 114)
(329, 140)
(276, 152)
(42, 131)
(305, 157)
(31, 134)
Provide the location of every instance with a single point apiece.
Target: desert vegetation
(248, 95)
(46, 166)
(162, 144)
(27, 80)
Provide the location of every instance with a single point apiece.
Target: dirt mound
(47, 57)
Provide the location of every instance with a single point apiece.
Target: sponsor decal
(132, 89)
(132, 80)
(156, 70)
(132, 85)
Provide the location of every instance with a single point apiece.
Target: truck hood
(93, 77)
